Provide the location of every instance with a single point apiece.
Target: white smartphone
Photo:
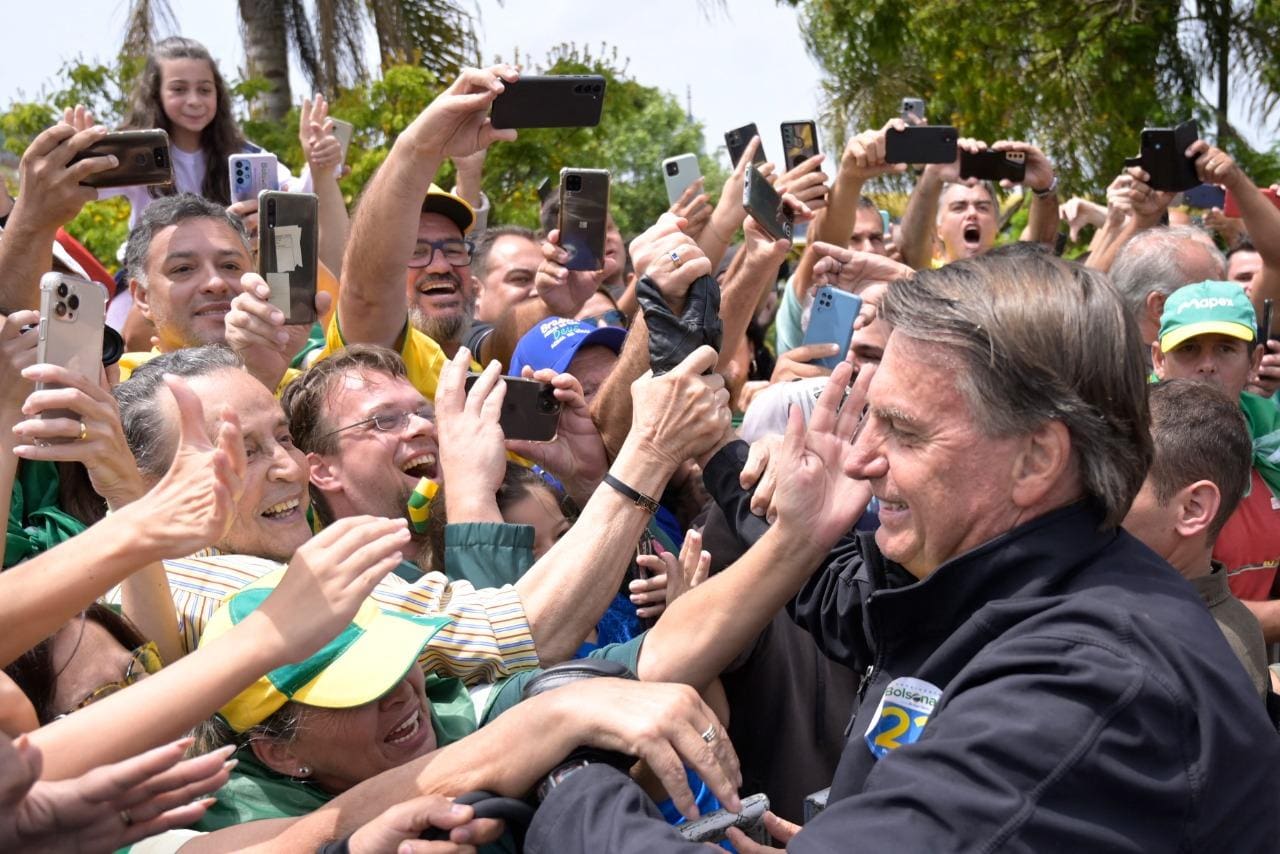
(343, 131)
(251, 174)
(679, 172)
(73, 312)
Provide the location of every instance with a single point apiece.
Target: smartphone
(886, 223)
(288, 231)
(913, 111)
(765, 206)
(1263, 333)
(584, 208)
(530, 410)
(142, 159)
(1231, 208)
(679, 172)
(921, 144)
(344, 131)
(799, 142)
(991, 165)
(1205, 196)
(712, 826)
(551, 101)
(73, 312)
(831, 322)
(737, 141)
(1161, 154)
(250, 174)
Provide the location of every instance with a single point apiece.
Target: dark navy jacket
(1089, 703)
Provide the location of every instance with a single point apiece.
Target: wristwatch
(559, 774)
(1049, 190)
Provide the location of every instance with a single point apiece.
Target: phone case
(530, 410)
(712, 826)
(287, 235)
(1205, 196)
(913, 110)
(991, 165)
(553, 101)
(765, 206)
(250, 174)
(142, 155)
(737, 140)
(679, 172)
(921, 144)
(1231, 208)
(831, 322)
(344, 131)
(1161, 156)
(73, 312)
(799, 142)
(584, 205)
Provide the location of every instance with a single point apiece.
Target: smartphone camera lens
(673, 169)
(74, 302)
(573, 183)
(597, 89)
(62, 290)
(547, 401)
(60, 309)
(140, 159)
(162, 157)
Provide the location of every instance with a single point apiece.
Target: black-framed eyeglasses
(456, 252)
(389, 422)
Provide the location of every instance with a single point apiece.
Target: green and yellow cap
(366, 660)
(1205, 308)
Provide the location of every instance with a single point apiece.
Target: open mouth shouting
(441, 292)
(421, 465)
(972, 236)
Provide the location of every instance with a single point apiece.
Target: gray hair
(1163, 260)
(1040, 339)
(167, 211)
(149, 434)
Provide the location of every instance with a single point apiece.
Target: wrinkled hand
(1148, 205)
(949, 173)
(563, 291)
(158, 789)
(815, 501)
(256, 330)
(863, 156)
(669, 576)
(194, 504)
(680, 414)
(1266, 381)
(103, 450)
(806, 183)
(798, 363)
(50, 194)
(329, 578)
(694, 207)
(674, 264)
(1215, 166)
(457, 122)
(396, 831)
(1039, 171)
(473, 458)
(852, 271)
(576, 456)
(661, 724)
(644, 247)
(321, 147)
(779, 828)
(729, 212)
(17, 353)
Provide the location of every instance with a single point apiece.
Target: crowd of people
(1003, 578)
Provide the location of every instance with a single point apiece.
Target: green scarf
(36, 523)
(1263, 418)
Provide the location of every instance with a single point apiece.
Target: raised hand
(1039, 171)
(321, 147)
(50, 193)
(1215, 166)
(457, 122)
(694, 207)
(17, 353)
(257, 332)
(682, 413)
(473, 458)
(950, 172)
(850, 270)
(670, 576)
(564, 291)
(863, 156)
(806, 183)
(1147, 204)
(674, 261)
(576, 456)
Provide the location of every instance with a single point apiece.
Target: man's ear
(1155, 306)
(138, 292)
(1157, 359)
(278, 755)
(323, 476)
(1197, 505)
(1041, 463)
(1259, 350)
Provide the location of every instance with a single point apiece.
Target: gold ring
(710, 734)
(84, 432)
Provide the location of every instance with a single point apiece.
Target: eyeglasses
(389, 422)
(144, 661)
(457, 253)
(612, 317)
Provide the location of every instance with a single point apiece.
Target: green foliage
(102, 227)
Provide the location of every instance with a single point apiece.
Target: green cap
(1205, 308)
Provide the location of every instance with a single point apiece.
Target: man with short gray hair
(1158, 261)
(1033, 677)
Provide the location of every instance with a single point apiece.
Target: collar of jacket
(1032, 560)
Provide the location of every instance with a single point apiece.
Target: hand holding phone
(1163, 157)
(142, 159)
(584, 210)
(765, 206)
(73, 312)
(799, 142)
(831, 322)
(288, 233)
(913, 111)
(679, 173)
(530, 410)
(921, 144)
(250, 174)
(550, 101)
(736, 142)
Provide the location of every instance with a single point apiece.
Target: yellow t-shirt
(423, 358)
(130, 362)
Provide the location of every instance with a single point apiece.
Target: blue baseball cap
(555, 341)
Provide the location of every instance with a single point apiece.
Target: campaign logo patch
(900, 718)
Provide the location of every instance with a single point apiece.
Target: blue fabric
(618, 625)
(555, 341)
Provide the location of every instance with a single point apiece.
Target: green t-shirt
(36, 523)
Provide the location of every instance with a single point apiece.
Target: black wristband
(641, 500)
(338, 846)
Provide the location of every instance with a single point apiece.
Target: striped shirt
(489, 637)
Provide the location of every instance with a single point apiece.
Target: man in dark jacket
(1033, 678)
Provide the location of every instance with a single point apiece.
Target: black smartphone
(1264, 329)
(288, 231)
(1205, 196)
(530, 410)
(991, 165)
(1162, 154)
(142, 159)
(550, 101)
(921, 144)
(736, 142)
(799, 142)
(765, 206)
(584, 208)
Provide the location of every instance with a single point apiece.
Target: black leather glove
(672, 338)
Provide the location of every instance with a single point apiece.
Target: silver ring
(675, 258)
(710, 734)
(126, 818)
